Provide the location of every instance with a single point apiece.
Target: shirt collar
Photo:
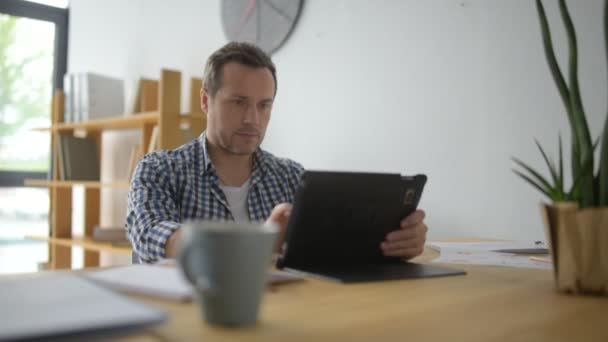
(205, 160)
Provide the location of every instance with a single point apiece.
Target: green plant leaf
(551, 60)
(582, 137)
(560, 83)
(549, 163)
(574, 193)
(533, 183)
(540, 179)
(585, 168)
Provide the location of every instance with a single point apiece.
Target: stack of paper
(164, 281)
(485, 253)
(158, 281)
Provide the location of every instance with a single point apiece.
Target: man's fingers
(402, 234)
(280, 212)
(405, 242)
(409, 232)
(408, 241)
(280, 217)
(402, 244)
(413, 219)
(405, 253)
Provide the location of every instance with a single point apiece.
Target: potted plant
(577, 220)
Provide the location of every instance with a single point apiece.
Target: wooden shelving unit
(166, 100)
(69, 184)
(86, 243)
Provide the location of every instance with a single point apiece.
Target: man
(224, 174)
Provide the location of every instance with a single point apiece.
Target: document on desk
(153, 280)
(66, 305)
(163, 281)
(486, 253)
(486, 246)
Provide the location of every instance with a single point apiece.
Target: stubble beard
(241, 150)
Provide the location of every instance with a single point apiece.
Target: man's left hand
(407, 241)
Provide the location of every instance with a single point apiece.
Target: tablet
(339, 220)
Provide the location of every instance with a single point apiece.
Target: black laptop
(339, 220)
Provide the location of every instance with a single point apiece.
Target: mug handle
(201, 283)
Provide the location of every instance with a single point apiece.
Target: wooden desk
(488, 304)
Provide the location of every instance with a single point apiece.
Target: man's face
(238, 113)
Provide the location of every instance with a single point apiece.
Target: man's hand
(408, 241)
(173, 242)
(280, 216)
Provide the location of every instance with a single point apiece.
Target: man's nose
(252, 115)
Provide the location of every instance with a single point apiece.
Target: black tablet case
(339, 220)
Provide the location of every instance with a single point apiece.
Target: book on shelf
(91, 96)
(77, 158)
(50, 173)
(76, 104)
(68, 113)
(58, 155)
(101, 97)
(115, 235)
(122, 243)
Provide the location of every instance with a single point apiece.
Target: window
(54, 3)
(33, 58)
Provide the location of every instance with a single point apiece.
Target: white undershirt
(237, 201)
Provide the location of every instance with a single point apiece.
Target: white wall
(449, 88)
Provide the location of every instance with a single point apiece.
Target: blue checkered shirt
(171, 186)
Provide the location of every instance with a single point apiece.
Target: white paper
(164, 280)
(482, 253)
(153, 280)
(483, 246)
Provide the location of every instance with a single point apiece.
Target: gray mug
(226, 262)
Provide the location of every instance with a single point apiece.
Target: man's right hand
(172, 245)
(280, 216)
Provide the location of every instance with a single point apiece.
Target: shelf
(86, 243)
(69, 184)
(124, 122)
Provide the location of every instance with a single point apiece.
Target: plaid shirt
(171, 186)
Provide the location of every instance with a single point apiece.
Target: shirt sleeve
(152, 213)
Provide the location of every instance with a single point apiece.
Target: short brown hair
(239, 52)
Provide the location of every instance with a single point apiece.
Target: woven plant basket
(578, 240)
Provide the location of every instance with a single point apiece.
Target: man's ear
(204, 100)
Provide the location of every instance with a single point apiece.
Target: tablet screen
(342, 217)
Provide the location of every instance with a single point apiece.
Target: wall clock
(265, 23)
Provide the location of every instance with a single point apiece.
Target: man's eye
(266, 105)
(238, 102)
